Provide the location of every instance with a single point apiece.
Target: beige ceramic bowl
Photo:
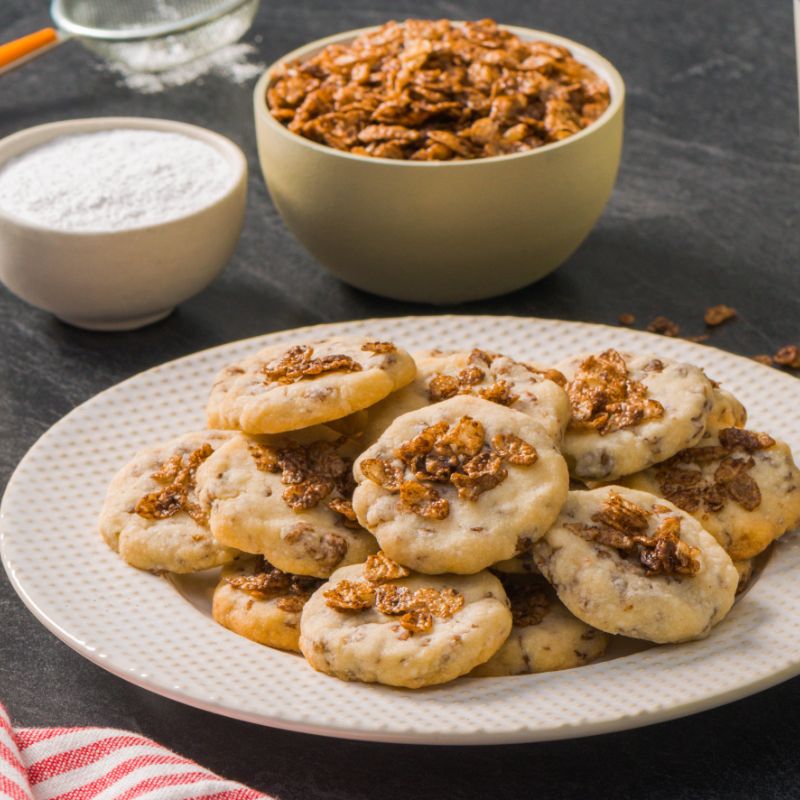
(120, 280)
(442, 232)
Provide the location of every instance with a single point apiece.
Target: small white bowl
(120, 280)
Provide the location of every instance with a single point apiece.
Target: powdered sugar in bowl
(108, 223)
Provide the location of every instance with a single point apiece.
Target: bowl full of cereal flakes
(440, 161)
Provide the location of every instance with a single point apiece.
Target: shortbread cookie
(532, 390)
(284, 388)
(286, 497)
(631, 563)
(459, 485)
(630, 411)
(726, 412)
(741, 486)
(378, 624)
(545, 636)
(262, 603)
(151, 514)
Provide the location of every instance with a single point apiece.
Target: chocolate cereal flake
(604, 398)
(716, 315)
(178, 475)
(788, 356)
(664, 326)
(298, 363)
(350, 596)
(379, 568)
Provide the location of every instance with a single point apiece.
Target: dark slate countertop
(705, 211)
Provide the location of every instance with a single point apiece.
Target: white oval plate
(158, 634)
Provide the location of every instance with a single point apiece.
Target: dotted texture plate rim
(137, 625)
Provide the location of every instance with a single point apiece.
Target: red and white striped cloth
(102, 764)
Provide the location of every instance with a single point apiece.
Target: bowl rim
(584, 54)
(231, 151)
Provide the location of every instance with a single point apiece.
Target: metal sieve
(146, 35)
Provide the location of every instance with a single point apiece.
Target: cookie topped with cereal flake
(152, 515)
(284, 388)
(459, 485)
(545, 635)
(631, 411)
(742, 486)
(261, 603)
(379, 623)
(286, 497)
(630, 563)
(536, 391)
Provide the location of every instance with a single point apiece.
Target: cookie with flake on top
(261, 603)
(152, 516)
(545, 636)
(287, 387)
(742, 486)
(631, 411)
(631, 563)
(380, 623)
(286, 497)
(532, 390)
(455, 486)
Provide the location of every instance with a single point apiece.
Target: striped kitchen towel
(101, 764)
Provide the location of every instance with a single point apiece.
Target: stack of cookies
(409, 520)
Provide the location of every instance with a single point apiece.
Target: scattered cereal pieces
(431, 90)
(788, 356)
(423, 500)
(716, 315)
(626, 319)
(664, 326)
(764, 359)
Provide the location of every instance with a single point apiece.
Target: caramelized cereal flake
(423, 501)
(529, 596)
(604, 398)
(664, 326)
(379, 347)
(621, 527)
(178, 473)
(391, 599)
(298, 363)
(716, 315)
(379, 568)
(788, 356)
(350, 596)
(516, 451)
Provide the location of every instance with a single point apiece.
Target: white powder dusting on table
(232, 63)
(113, 180)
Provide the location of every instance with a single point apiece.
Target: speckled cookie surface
(598, 452)
(726, 412)
(614, 593)
(151, 514)
(248, 602)
(485, 487)
(545, 636)
(745, 497)
(278, 496)
(284, 388)
(371, 646)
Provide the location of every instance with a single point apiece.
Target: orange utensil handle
(19, 48)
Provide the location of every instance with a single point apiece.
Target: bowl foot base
(118, 324)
